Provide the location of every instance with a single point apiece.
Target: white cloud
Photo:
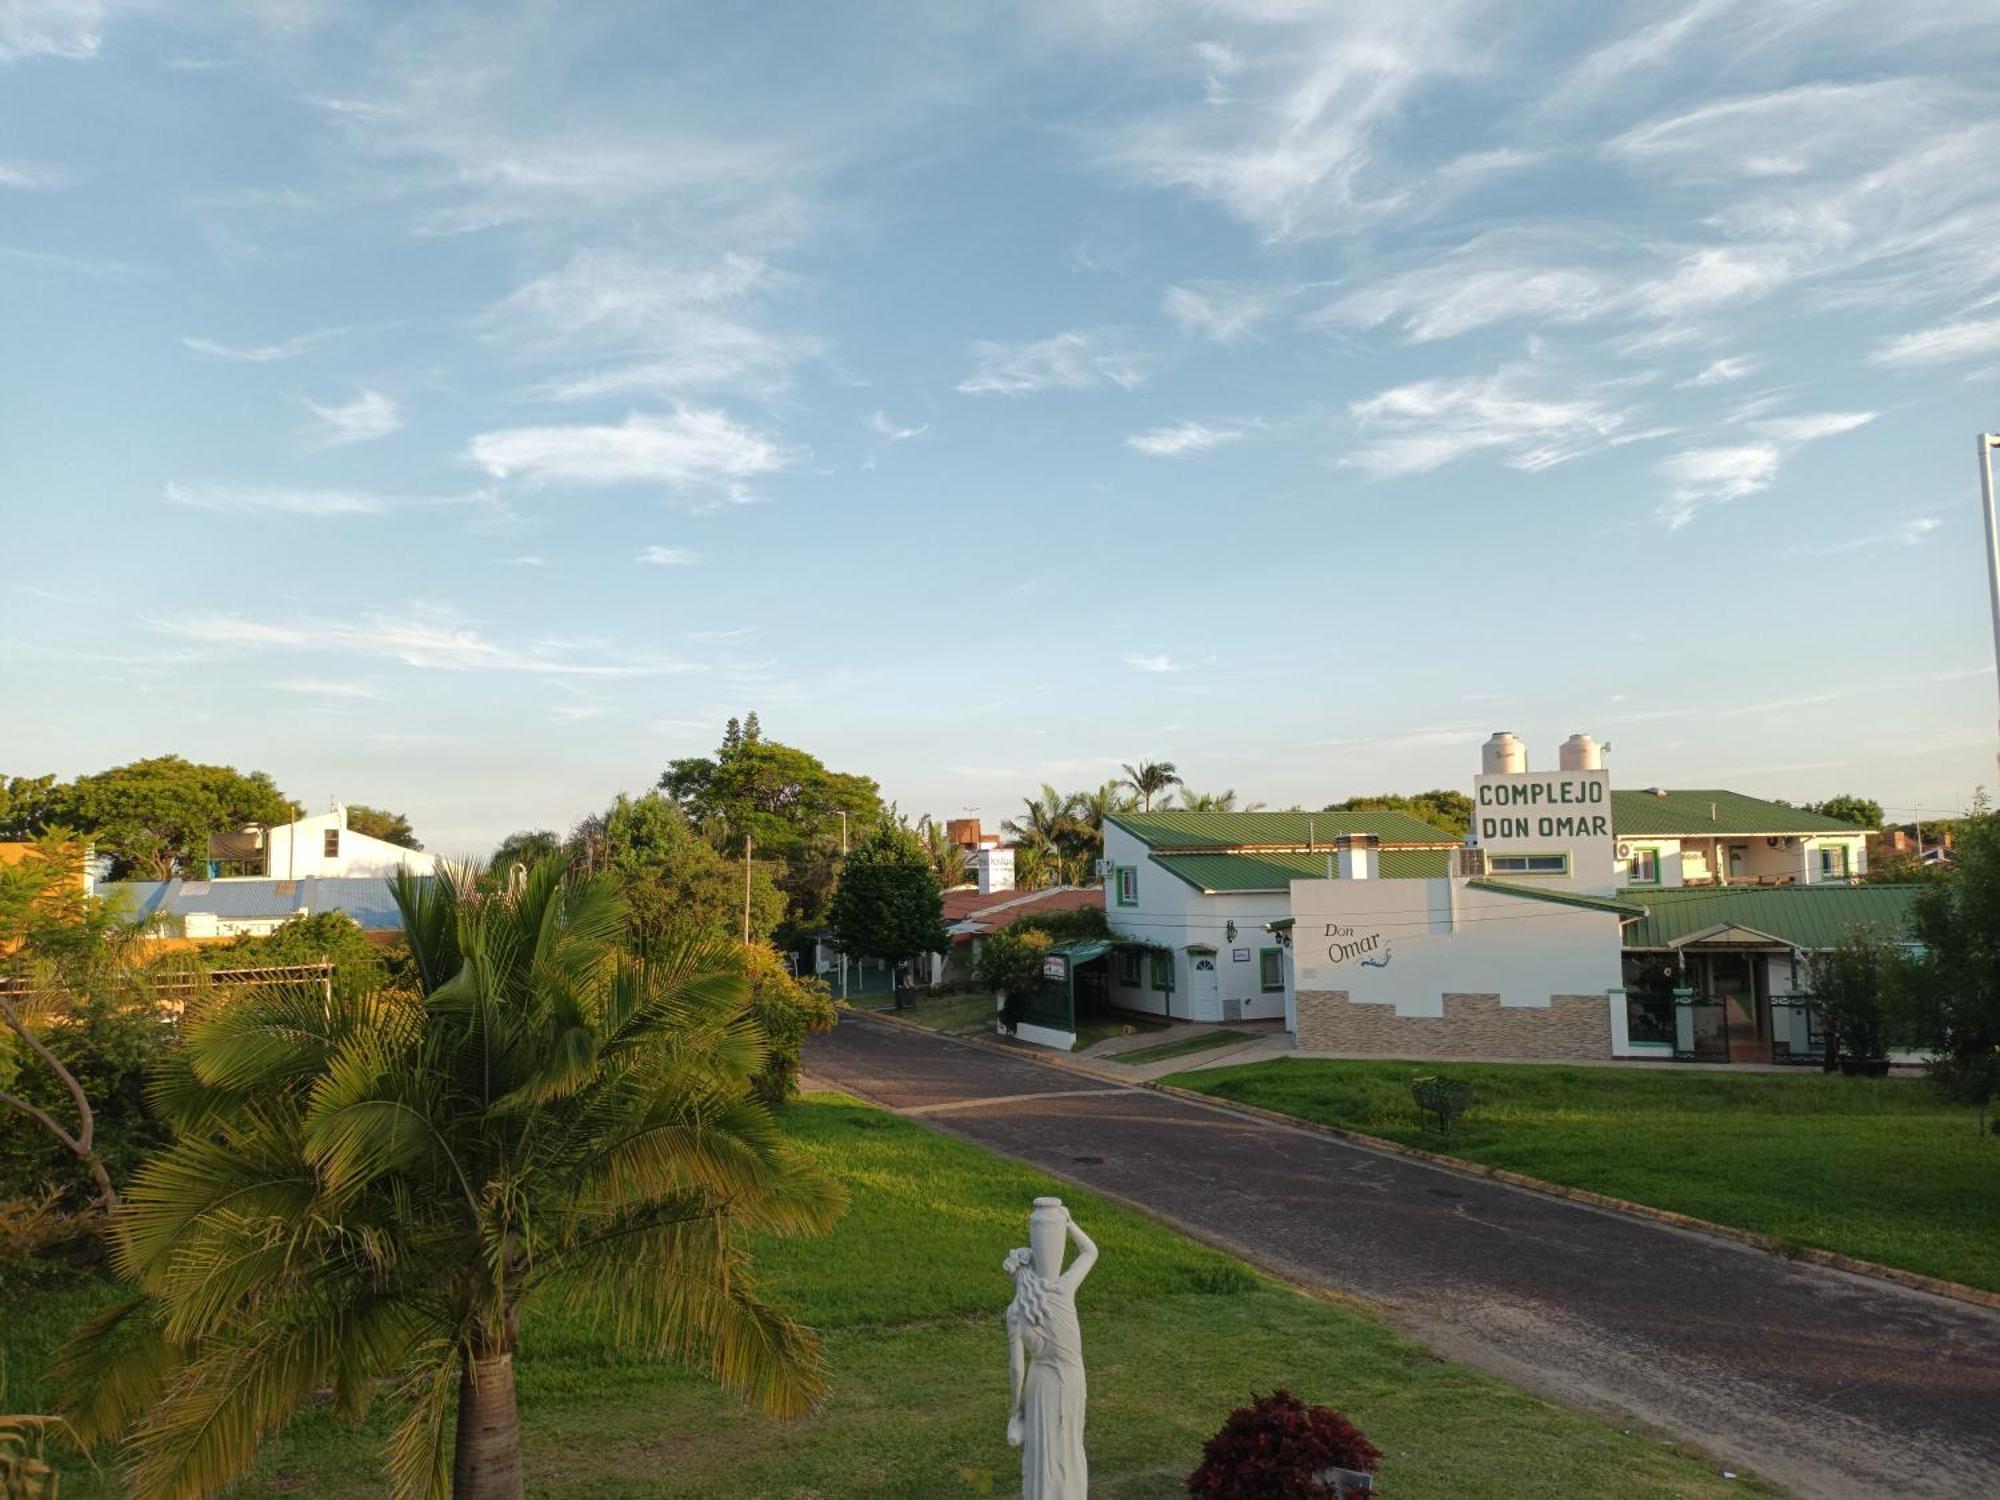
(71, 29)
(322, 687)
(691, 448)
(1492, 279)
(666, 328)
(1077, 360)
(1943, 343)
(1699, 479)
(525, 561)
(1720, 372)
(1911, 533)
(1414, 428)
(368, 416)
(1142, 662)
(668, 557)
(261, 354)
(424, 637)
(1182, 440)
(242, 499)
(1787, 133)
(878, 423)
(26, 178)
(1212, 310)
(574, 713)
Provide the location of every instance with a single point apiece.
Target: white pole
(1987, 442)
(843, 857)
(746, 887)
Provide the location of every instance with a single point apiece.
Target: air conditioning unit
(1103, 869)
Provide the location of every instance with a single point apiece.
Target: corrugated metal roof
(1276, 872)
(1694, 813)
(364, 898)
(1241, 830)
(1811, 917)
(1559, 897)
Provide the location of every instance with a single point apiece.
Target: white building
(321, 846)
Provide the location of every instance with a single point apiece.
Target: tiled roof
(999, 913)
(1809, 917)
(364, 898)
(1695, 813)
(1273, 830)
(1211, 873)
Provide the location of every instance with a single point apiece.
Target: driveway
(1828, 1383)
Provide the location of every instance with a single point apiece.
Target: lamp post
(843, 859)
(1987, 443)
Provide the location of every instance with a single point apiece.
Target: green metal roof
(1211, 873)
(1694, 814)
(1561, 898)
(1268, 830)
(1810, 917)
(1081, 950)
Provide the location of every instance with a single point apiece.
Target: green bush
(789, 1009)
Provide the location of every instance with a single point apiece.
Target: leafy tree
(391, 827)
(1221, 802)
(670, 875)
(1150, 778)
(787, 1008)
(946, 859)
(1947, 992)
(1010, 960)
(1032, 868)
(529, 846)
(1440, 807)
(368, 1197)
(1848, 983)
(324, 937)
(1862, 812)
(787, 802)
(152, 817)
(888, 904)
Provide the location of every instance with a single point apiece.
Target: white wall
(1548, 812)
(297, 850)
(1409, 943)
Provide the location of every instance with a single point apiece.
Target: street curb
(1831, 1259)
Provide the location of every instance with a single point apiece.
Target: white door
(1205, 997)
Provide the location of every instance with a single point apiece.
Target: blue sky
(467, 409)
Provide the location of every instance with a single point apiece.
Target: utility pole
(843, 860)
(1987, 443)
(746, 887)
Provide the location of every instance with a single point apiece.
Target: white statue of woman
(1045, 1356)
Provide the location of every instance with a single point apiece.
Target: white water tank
(1580, 753)
(1503, 755)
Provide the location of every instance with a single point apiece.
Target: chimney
(996, 870)
(1355, 856)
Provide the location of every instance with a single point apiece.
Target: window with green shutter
(1163, 970)
(1128, 967)
(1271, 969)
(1128, 886)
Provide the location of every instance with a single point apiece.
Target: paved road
(1830, 1384)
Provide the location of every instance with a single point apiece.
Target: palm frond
(111, 1368)
(418, 1455)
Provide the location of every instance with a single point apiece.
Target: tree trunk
(486, 1460)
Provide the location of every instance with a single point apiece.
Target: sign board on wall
(1054, 968)
(1524, 821)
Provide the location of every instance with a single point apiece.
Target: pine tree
(752, 730)
(732, 734)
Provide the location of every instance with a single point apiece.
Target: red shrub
(1273, 1448)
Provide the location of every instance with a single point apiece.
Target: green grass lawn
(1874, 1167)
(1200, 1041)
(908, 1292)
(961, 1015)
(1097, 1029)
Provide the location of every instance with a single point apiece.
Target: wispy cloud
(1699, 479)
(1144, 662)
(690, 449)
(1218, 312)
(325, 687)
(668, 557)
(1181, 441)
(261, 354)
(1412, 429)
(1720, 372)
(426, 638)
(1078, 360)
(527, 560)
(1911, 533)
(369, 415)
(246, 499)
(72, 29)
(24, 179)
(878, 422)
(1942, 343)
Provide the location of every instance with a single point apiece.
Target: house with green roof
(1667, 839)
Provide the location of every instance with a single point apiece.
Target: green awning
(1081, 950)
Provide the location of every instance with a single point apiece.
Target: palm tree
(946, 859)
(1032, 867)
(379, 1186)
(1215, 802)
(1049, 820)
(1149, 778)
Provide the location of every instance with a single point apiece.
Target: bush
(1276, 1448)
(1010, 960)
(788, 1009)
(42, 1241)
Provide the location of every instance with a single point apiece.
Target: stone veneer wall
(1570, 1027)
